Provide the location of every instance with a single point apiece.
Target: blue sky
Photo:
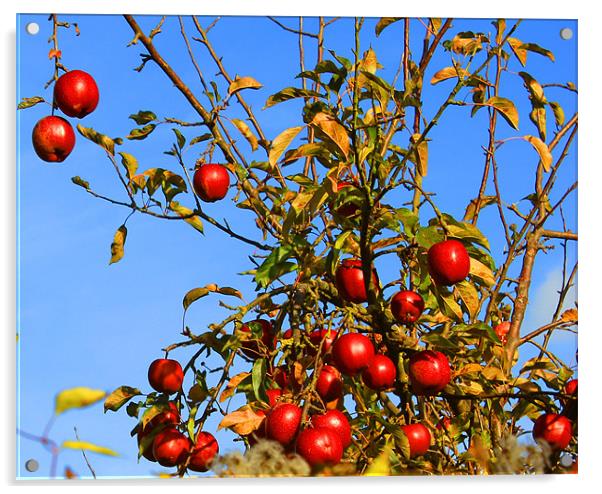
(83, 322)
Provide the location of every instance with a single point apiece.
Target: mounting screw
(32, 465)
(566, 33)
(32, 28)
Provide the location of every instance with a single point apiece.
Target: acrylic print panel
(199, 215)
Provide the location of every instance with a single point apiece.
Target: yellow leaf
(469, 369)
(482, 272)
(117, 250)
(242, 422)
(543, 150)
(76, 398)
(186, 213)
(281, 142)
(494, 373)
(84, 445)
(469, 295)
(448, 73)
(120, 397)
(422, 154)
(232, 385)
(518, 50)
(570, 315)
(243, 83)
(381, 466)
(506, 109)
(333, 130)
(244, 129)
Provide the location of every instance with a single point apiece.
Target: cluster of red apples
(76, 95)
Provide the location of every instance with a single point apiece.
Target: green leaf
(84, 445)
(79, 397)
(428, 236)
(281, 142)
(143, 117)
(381, 465)
(258, 379)
(383, 23)
(542, 150)
(102, 140)
(81, 182)
(290, 93)
(465, 231)
(193, 295)
(449, 306)
(275, 265)
(180, 137)
(246, 132)
(130, 164)
(117, 246)
(29, 102)
(506, 109)
(186, 213)
(120, 397)
(142, 133)
(201, 138)
(243, 83)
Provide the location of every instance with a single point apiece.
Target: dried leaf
(542, 149)
(506, 109)
(244, 129)
(281, 142)
(333, 130)
(242, 422)
(232, 385)
(448, 73)
(570, 315)
(481, 272)
(120, 397)
(243, 83)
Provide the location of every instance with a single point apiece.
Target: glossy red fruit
(274, 396)
(260, 330)
(317, 336)
(53, 139)
(282, 423)
(320, 446)
(171, 447)
(429, 372)
(203, 453)
(570, 388)
(419, 438)
(501, 330)
(76, 93)
(147, 452)
(329, 384)
(555, 429)
(171, 416)
(448, 262)
(444, 424)
(211, 182)
(407, 306)
(349, 279)
(165, 375)
(280, 376)
(380, 374)
(349, 209)
(336, 421)
(352, 353)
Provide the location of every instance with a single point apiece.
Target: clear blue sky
(85, 323)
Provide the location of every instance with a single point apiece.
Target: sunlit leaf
(120, 397)
(383, 23)
(79, 397)
(117, 246)
(481, 272)
(244, 129)
(243, 83)
(84, 445)
(543, 150)
(570, 315)
(102, 140)
(506, 109)
(333, 130)
(281, 142)
(381, 465)
(469, 295)
(29, 102)
(193, 295)
(243, 421)
(232, 385)
(143, 117)
(187, 216)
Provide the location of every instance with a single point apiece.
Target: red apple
(429, 372)
(570, 388)
(352, 353)
(165, 375)
(349, 279)
(171, 447)
(320, 446)
(283, 422)
(444, 424)
(419, 438)
(274, 396)
(501, 330)
(76, 93)
(448, 262)
(53, 139)
(555, 429)
(203, 453)
(329, 384)
(211, 182)
(349, 209)
(280, 376)
(380, 374)
(336, 421)
(171, 416)
(317, 336)
(259, 330)
(147, 451)
(407, 306)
